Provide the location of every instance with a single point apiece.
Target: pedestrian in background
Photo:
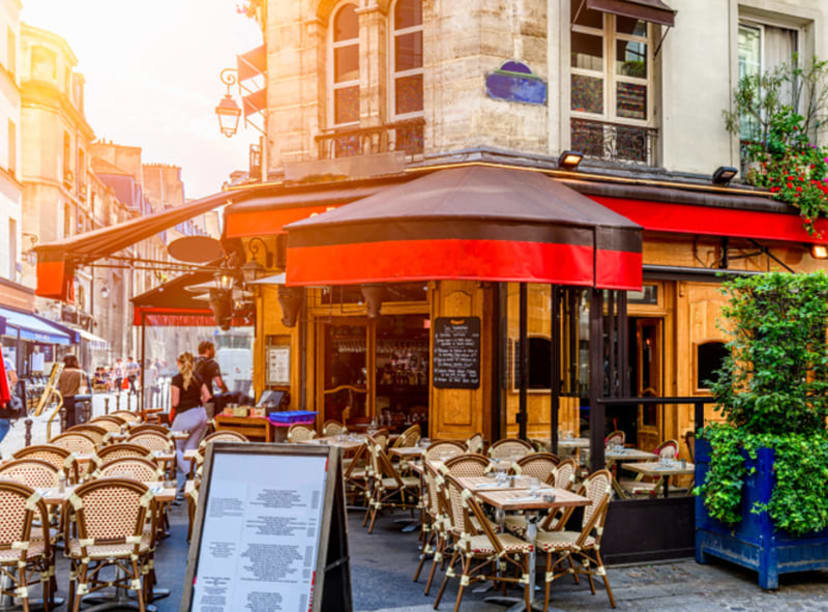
(210, 372)
(132, 372)
(118, 373)
(188, 394)
(8, 408)
(73, 382)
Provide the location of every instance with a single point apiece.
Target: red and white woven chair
(110, 516)
(55, 455)
(25, 550)
(78, 443)
(137, 468)
(510, 449)
(468, 465)
(98, 434)
(33, 473)
(537, 465)
(387, 488)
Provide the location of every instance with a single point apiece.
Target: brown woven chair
(537, 465)
(443, 450)
(333, 428)
(109, 515)
(136, 428)
(110, 417)
(561, 477)
(223, 436)
(475, 542)
(25, 550)
(78, 443)
(437, 518)
(615, 437)
(510, 449)
(127, 415)
(410, 437)
(57, 456)
(387, 488)
(124, 449)
(110, 424)
(33, 473)
(137, 468)
(467, 465)
(564, 475)
(98, 434)
(300, 433)
(475, 444)
(151, 440)
(581, 550)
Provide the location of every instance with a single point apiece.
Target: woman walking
(188, 394)
(74, 387)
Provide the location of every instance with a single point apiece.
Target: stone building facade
(10, 187)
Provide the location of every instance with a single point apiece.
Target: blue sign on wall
(515, 82)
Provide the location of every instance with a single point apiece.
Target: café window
(710, 357)
(344, 66)
(407, 62)
(540, 363)
(611, 72)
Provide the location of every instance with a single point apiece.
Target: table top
(407, 451)
(163, 455)
(629, 454)
(345, 444)
(179, 435)
(654, 468)
(573, 443)
(190, 454)
(484, 483)
(53, 497)
(519, 499)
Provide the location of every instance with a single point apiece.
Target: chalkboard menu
(457, 353)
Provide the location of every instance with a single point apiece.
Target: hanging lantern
(221, 303)
(290, 299)
(373, 294)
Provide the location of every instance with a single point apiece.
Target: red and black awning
(477, 222)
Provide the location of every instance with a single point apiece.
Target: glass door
(647, 379)
(346, 386)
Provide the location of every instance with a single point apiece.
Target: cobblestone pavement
(383, 563)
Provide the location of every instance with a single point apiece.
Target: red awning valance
(476, 222)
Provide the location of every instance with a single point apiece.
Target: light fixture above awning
(654, 11)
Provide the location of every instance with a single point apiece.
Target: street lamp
(227, 111)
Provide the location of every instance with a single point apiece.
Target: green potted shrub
(762, 475)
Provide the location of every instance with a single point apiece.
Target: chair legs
(445, 579)
(464, 578)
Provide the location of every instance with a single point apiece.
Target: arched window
(407, 59)
(344, 62)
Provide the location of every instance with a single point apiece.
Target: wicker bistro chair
(113, 418)
(74, 442)
(126, 415)
(435, 523)
(57, 456)
(615, 437)
(476, 541)
(410, 437)
(475, 444)
(217, 436)
(444, 450)
(561, 477)
(124, 449)
(25, 549)
(110, 514)
(110, 424)
(333, 428)
(136, 428)
(33, 473)
(649, 485)
(538, 465)
(137, 468)
(386, 487)
(300, 433)
(467, 465)
(98, 434)
(152, 441)
(510, 448)
(580, 549)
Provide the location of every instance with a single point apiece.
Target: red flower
(799, 189)
(790, 185)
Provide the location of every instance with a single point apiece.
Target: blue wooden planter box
(754, 543)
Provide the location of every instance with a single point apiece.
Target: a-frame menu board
(270, 532)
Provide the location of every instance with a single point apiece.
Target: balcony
(615, 142)
(406, 136)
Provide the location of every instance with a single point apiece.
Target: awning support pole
(597, 416)
(143, 363)
(524, 361)
(554, 366)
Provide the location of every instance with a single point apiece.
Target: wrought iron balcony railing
(614, 141)
(404, 136)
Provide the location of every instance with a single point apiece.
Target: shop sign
(456, 353)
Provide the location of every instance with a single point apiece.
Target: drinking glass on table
(534, 487)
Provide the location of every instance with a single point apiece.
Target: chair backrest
(690, 440)
(381, 438)
(460, 521)
(142, 427)
(616, 437)
(57, 456)
(467, 465)
(19, 507)
(381, 466)
(668, 449)
(33, 473)
(409, 437)
(109, 424)
(111, 417)
(151, 440)
(475, 444)
(564, 475)
(137, 468)
(444, 450)
(109, 510)
(223, 436)
(122, 450)
(75, 442)
(538, 465)
(126, 415)
(597, 487)
(432, 483)
(300, 433)
(333, 428)
(93, 431)
(510, 448)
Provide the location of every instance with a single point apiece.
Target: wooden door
(346, 365)
(649, 380)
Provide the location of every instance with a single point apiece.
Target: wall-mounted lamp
(819, 251)
(227, 111)
(569, 160)
(290, 299)
(724, 174)
(224, 280)
(254, 251)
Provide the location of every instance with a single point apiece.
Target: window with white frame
(611, 66)
(344, 66)
(407, 59)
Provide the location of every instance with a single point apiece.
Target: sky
(152, 77)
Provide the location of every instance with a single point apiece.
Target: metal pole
(143, 360)
(554, 366)
(524, 361)
(597, 418)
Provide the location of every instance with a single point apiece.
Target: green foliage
(777, 114)
(773, 392)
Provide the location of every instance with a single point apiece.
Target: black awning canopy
(654, 11)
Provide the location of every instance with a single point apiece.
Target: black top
(208, 369)
(189, 397)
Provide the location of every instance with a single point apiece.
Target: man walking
(132, 372)
(118, 374)
(210, 372)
